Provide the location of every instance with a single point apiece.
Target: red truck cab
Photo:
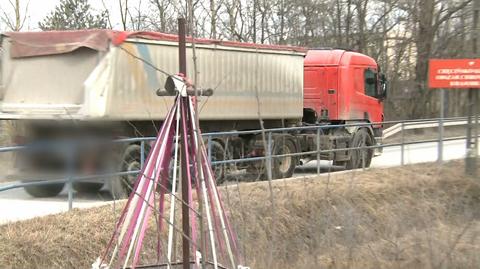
(342, 86)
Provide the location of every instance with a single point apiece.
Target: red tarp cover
(29, 44)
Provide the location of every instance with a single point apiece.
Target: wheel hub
(133, 166)
(285, 162)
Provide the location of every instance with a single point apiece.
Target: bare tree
(429, 16)
(123, 6)
(17, 21)
(107, 14)
(400, 34)
(162, 9)
(213, 20)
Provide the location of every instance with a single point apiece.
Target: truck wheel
(87, 186)
(50, 190)
(131, 161)
(116, 186)
(360, 158)
(283, 167)
(218, 154)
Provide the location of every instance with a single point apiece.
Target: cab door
(367, 104)
(331, 92)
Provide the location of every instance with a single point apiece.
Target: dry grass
(419, 216)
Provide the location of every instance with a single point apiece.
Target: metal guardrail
(421, 125)
(69, 149)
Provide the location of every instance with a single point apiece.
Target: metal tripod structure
(177, 136)
(180, 137)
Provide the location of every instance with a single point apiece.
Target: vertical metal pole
(476, 36)
(269, 156)
(470, 160)
(363, 152)
(185, 209)
(318, 150)
(70, 174)
(182, 56)
(472, 142)
(142, 153)
(182, 46)
(209, 148)
(440, 126)
(402, 146)
(475, 139)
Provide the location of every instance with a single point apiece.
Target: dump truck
(65, 83)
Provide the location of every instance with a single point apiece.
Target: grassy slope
(419, 216)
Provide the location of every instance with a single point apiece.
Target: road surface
(18, 205)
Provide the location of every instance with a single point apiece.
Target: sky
(38, 9)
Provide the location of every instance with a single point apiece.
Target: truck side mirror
(383, 87)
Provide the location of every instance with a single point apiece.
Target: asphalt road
(16, 204)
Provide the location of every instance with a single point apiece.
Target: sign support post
(472, 132)
(472, 135)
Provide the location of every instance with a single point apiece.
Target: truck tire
(282, 167)
(50, 190)
(130, 161)
(218, 154)
(116, 186)
(87, 186)
(360, 158)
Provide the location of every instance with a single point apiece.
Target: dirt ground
(419, 216)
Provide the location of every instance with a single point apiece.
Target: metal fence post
(209, 148)
(142, 153)
(70, 174)
(318, 150)
(402, 146)
(269, 156)
(440, 126)
(363, 152)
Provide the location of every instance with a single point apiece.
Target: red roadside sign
(454, 73)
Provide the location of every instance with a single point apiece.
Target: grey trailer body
(115, 85)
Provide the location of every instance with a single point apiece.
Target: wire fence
(240, 165)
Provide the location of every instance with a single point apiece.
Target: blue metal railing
(69, 149)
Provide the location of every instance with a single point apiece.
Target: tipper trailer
(72, 83)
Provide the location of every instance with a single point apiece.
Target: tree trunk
(361, 15)
(424, 39)
(213, 20)
(282, 14)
